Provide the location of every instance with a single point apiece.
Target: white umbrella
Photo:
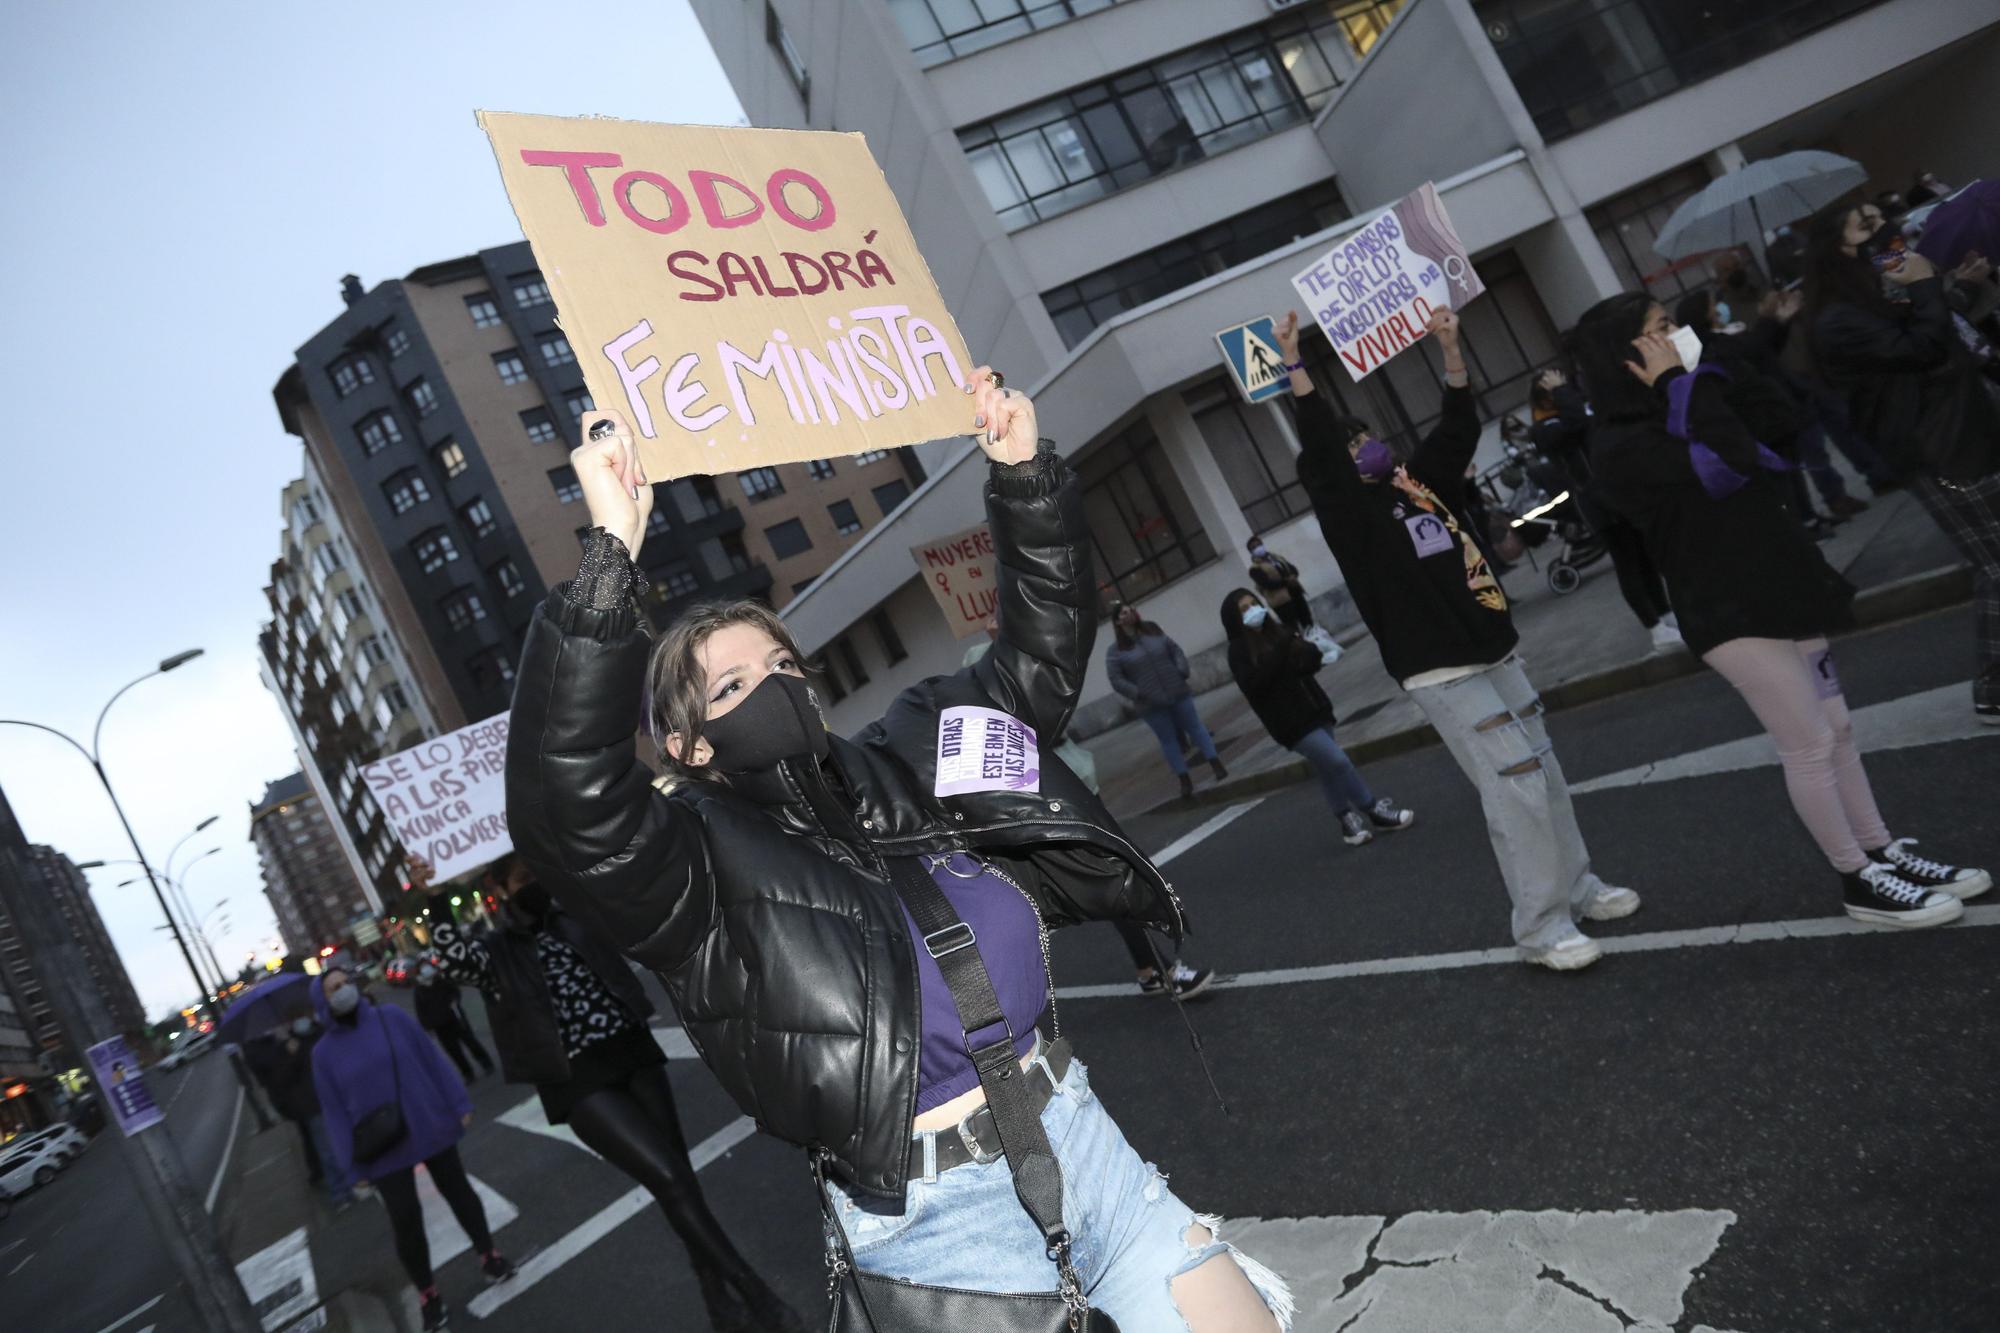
(1738, 208)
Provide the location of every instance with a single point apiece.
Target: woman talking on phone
(855, 932)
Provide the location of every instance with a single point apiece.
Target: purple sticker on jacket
(984, 749)
(1826, 681)
(1429, 534)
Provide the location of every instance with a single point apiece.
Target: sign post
(446, 798)
(1251, 353)
(123, 1084)
(959, 570)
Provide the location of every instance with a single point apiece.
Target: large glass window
(1251, 451)
(1143, 530)
(1080, 306)
(1049, 158)
(941, 30)
(1628, 224)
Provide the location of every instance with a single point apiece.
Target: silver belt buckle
(971, 1140)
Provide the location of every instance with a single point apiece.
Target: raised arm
(1447, 451)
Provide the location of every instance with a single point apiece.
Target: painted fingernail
(979, 420)
(969, 388)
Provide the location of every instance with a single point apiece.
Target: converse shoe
(1608, 903)
(496, 1267)
(1573, 951)
(1879, 895)
(1960, 882)
(1187, 982)
(1354, 830)
(1384, 814)
(436, 1315)
(1666, 638)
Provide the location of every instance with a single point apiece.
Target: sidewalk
(1578, 648)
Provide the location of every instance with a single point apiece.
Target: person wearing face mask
(1756, 597)
(282, 1061)
(391, 1101)
(570, 1019)
(1442, 624)
(1276, 669)
(1916, 390)
(438, 1010)
(1278, 580)
(854, 932)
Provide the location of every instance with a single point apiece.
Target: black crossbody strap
(946, 937)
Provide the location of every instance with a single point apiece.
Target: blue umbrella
(270, 1003)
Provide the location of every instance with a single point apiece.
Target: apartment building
(1101, 185)
(307, 876)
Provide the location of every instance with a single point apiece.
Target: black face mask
(778, 720)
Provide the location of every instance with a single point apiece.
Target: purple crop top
(1010, 944)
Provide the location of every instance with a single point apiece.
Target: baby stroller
(1542, 503)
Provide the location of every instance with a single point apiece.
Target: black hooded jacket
(1278, 674)
(765, 905)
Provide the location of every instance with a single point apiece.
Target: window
(820, 469)
(350, 373)
(423, 398)
(397, 699)
(1143, 530)
(676, 580)
(851, 660)
(450, 459)
(866, 457)
(845, 520)
(657, 522)
(885, 634)
(485, 311)
(1080, 306)
(511, 368)
(1628, 224)
(406, 490)
(397, 341)
(385, 716)
(491, 668)
(374, 650)
(761, 483)
(478, 516)
(556, 350)
(1253, 456)
(509, 579)
(788, 538)
(567, 487)
(820, 670)
(377, 432)
(781, 42)
(329, 560)
(434, 550)
(1062, 153)
(539, 426)
(890, 494)
(578, 403)
(941, 30)
(700, 497)
(461, 607)
(530, 290)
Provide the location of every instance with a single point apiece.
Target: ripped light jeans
(1493, 725)
(966, 1228)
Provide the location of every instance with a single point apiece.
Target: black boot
(1220, 771)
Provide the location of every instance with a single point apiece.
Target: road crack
(1563, 1280)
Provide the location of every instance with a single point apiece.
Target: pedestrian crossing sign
(1251, 351)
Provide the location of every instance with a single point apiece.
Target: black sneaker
(1385, 814)
(497, 1268)
(1986, 698)
(1960, 882)
(436, 1315)
(1187, 982)
(1354, 830)
(1882, 897)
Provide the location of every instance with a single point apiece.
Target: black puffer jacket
(765, 905)
(1278, 673)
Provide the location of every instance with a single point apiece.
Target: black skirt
(610, 1063)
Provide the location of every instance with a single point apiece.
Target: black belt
(974, 1139)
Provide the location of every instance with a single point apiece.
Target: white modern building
(1101, 185)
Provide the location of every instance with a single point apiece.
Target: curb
(1898, 599)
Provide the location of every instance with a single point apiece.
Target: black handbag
(869, 1303)
(382, 1128)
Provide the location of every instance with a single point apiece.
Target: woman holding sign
(855, 932)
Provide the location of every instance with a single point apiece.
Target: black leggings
(1141, 947)
(406, 1215)
(635, 1127)
(457, 1039)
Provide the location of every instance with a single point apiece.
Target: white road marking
(448, 1240)
(1204, 831)
(228, 1147)
(311, 1323)
(1554, 1272)
(282, 1275)
(527, 1115)
(1927, 718)
(1756, 932)
(126, 1319)
(626, 1206)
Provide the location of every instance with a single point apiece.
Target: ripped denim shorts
(965, 1227)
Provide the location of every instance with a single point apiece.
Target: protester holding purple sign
(855, 932)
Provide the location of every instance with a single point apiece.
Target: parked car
(23, 1168)
(188, 1048)
(64, 1140)
(397, 971)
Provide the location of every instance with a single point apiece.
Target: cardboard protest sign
(447, 798)
(741, 296)
(1251, 353)
(1373, 292)
(959, 570)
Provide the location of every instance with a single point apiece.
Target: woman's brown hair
(677, 687)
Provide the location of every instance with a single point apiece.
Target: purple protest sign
(983, 749)
(123, 1084)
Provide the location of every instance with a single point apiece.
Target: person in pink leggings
(1755, 597)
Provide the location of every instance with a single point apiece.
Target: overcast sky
(184, 186)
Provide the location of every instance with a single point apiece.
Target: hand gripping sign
(1374, 291)
(742, 296)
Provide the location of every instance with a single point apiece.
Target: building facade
(1100, 186)
(307, 878)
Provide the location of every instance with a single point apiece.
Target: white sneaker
(1608, 904)
(1666, 638)
(1568, 954)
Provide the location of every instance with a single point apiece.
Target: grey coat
(1152, 673)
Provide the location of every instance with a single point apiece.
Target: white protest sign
(447, 797)
(984, 749)
(1374, 291)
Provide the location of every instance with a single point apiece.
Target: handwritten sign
(741, 296)
(447, 798)
(984, 749)
(959, 570)
(123, 1084)
(1374, 291)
